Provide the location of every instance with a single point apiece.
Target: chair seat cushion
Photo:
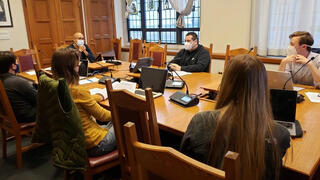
(27, 125)
(99, 160)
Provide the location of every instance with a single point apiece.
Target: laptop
(283, 103)
(154, 79)
(142, 62)
(277, 79)
(83, 68)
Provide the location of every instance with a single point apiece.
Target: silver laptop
(277, 79)
(152, 78)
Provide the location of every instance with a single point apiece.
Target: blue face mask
(17, 69)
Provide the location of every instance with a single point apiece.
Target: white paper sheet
(181, 73)
(130, 86)
(31, 73)
(313, 97)
(99, 91)
(298, 88)
(90, 80)
(47, 69)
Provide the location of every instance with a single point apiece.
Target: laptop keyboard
(139, 92)
(285, 124)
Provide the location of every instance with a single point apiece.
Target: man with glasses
(79, 44)
(299, 54)
(193, 58)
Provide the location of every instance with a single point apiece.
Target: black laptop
(152, 78)
(83, 68)
(283, 103)
(142, 62)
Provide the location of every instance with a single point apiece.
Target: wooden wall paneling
(100, 24)
(42, 27)
(68, 19)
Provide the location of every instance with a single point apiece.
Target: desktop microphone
(181, 98)
(284, 86)
(250, 50)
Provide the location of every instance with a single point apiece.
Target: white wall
(225, 21)
(18, 38)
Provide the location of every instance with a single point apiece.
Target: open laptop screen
(283, 103)
(142, 62)
(154, 79)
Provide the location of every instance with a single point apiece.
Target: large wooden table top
(302, 157)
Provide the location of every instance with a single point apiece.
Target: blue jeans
(107, 144)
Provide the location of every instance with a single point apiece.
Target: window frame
(144, 29)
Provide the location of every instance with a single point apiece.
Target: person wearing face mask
(193, 58)
(298, 54)
(79, 44)
(21, 92)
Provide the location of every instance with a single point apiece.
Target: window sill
(174, 51)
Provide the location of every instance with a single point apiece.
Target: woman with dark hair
(242, 123)
(99, 140)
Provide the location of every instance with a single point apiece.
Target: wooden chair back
(209, 49)
(234, 52)
(28, 59)
(146, 47)
(159, 55)
(9, 123)
(156, 162)
(116, 46)
(125, 107)
(135, 50)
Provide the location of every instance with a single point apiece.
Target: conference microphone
(284, 86)
(250, 50)
(181, 98)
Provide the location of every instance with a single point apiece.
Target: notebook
(283, 103)
(154, 79)
(277, 79)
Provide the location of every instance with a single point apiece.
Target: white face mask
(291, 51)
(80, 42)
(188, 46)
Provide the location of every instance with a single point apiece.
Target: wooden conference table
(301, 159)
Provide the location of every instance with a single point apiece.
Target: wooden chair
(159, 55)
(234, 52)
(125, 107)
(209, 49)
(146, 47)
(28, 59)
(156, 162)
(116, 46)
(9, 124)
(135, 50)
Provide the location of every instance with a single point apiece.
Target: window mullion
(143, 19)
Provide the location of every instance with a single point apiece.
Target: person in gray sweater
(242, 122)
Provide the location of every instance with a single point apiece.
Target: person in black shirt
(193, 58)
(21, 93)
(79, 44)
(241, 122)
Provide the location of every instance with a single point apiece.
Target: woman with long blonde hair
(242, 123)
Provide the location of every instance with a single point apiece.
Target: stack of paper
(130, 86)
(313, 97)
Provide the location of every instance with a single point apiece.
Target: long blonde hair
(245, 117)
